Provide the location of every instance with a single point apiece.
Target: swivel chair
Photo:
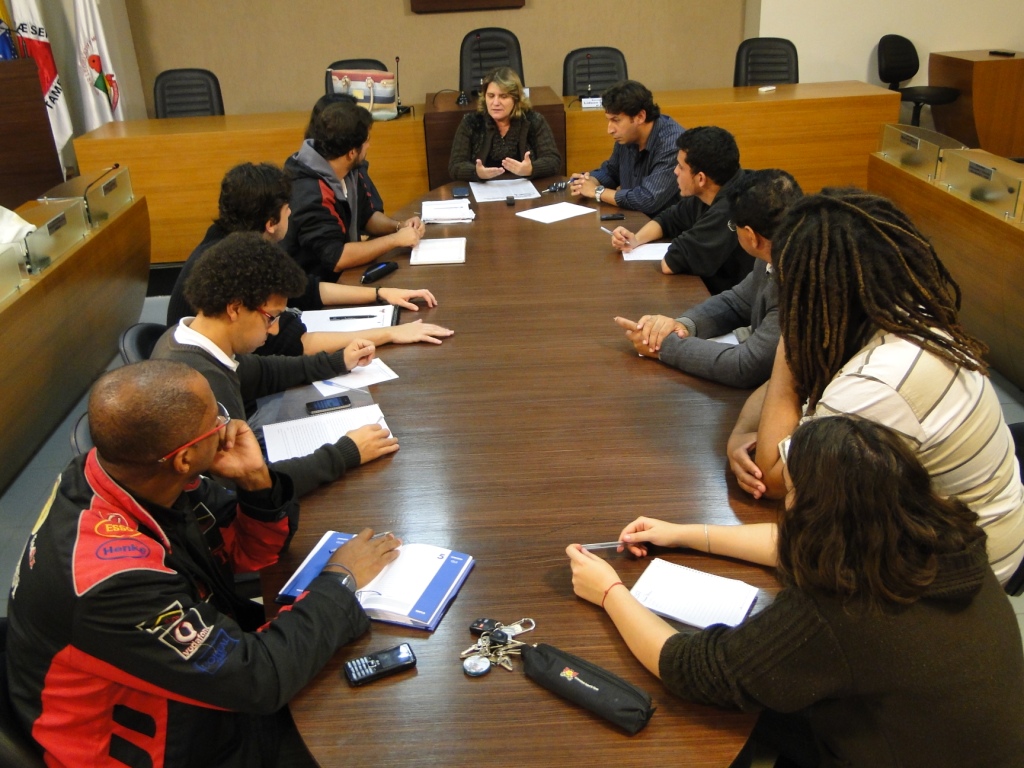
(897, 61)
(137, 342)
(373, 64)
(766, 61)
(17, 750)
(484, 49)
(81, 437)
(187, 93)
(589, 71)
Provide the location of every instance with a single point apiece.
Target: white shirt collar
(185, 335)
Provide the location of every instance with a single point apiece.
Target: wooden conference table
(534, 426)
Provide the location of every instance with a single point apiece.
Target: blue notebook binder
(414, 590)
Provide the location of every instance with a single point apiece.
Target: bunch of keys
(496, 644)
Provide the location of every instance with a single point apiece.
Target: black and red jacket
(127, 644)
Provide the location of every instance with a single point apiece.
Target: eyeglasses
(271, 319)
(731, 225)
(222, 421)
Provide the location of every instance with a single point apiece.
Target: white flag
(34, 43)
(101, 95)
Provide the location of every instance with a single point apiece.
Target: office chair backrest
(897, 60)
(17, 750)
(81, 437)
(766, 61)
(373, 64)
(187, 93)
(484, 49)
(137, 342)
(597, 67)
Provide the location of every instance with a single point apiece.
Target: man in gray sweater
(749, 310)
(240, 287)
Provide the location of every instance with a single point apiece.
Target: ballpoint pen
(604, 545)
(354, 317)
(603, 229)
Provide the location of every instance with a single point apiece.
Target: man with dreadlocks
(869, 327)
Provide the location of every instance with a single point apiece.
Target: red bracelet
(605, 597)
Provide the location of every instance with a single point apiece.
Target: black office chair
(17, 750)
(187, 93)
(137, 342)
(1015, 586)
(897, 61)
(373, 64)
(766, 61)
(81, 437)
(484, 49)
(589, 71)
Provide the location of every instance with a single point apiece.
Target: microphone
(398, 94)
(589, 79)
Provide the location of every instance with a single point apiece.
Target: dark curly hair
(710, 150)
(864, 523)
(137, 413)
(628, 97)
(251, 195)
(340, 128)
(242, 267)
(322, 103)
(760, 198)
(851, 263)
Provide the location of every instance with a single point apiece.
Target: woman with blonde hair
(504, 135)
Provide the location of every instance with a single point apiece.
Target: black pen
(354, 317)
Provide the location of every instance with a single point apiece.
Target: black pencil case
(588, 685)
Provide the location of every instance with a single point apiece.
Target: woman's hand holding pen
(592, 576)
(623, 240)
(652, 531)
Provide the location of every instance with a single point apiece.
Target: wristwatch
(598, 191)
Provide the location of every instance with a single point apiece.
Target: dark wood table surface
(535, 426)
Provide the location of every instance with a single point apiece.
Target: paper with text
(693, 597)
(446, 211)
(300, 437)
(497, 191)
(348, 319)
(362, 377)
(647, 252)
(439, 250)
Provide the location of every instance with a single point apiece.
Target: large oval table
(536, 425)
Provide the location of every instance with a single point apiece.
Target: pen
(381, 534)
(604, 545)
(356, 317)
(603, 229)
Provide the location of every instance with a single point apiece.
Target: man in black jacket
(127, 643)
(331, 204)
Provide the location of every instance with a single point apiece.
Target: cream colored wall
(270, 55)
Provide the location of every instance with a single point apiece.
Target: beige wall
(270, 55)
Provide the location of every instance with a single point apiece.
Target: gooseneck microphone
(589, 78)
(398, 93)
(480, 62)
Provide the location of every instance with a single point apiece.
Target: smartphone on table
(328, 404)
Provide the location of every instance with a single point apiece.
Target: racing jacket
(127, 644)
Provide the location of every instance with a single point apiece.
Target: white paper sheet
(647, 252)
(348, 319)
(439, 250)
(726, 338)
(362, 377)
(446, 211)
(290, 439)
(693, 597)
(497, 191)
(549, 214)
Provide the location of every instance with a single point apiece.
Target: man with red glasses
(127, 643)
(239, 288)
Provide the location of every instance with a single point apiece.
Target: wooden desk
(534, 426)
(822, 133)
(60, 331)
(178, 164)
(441, 118)
(990, 111)
(984, 254)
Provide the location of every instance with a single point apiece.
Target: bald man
(127, 643)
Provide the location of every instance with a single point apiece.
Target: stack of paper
(500, 189)
(693, 597)
(446, 211)
(440, 250)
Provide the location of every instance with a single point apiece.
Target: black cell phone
(1007, 54)
(374, 666)
(613, 216)
(460, 192)
(377, 271)
(328, 404)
